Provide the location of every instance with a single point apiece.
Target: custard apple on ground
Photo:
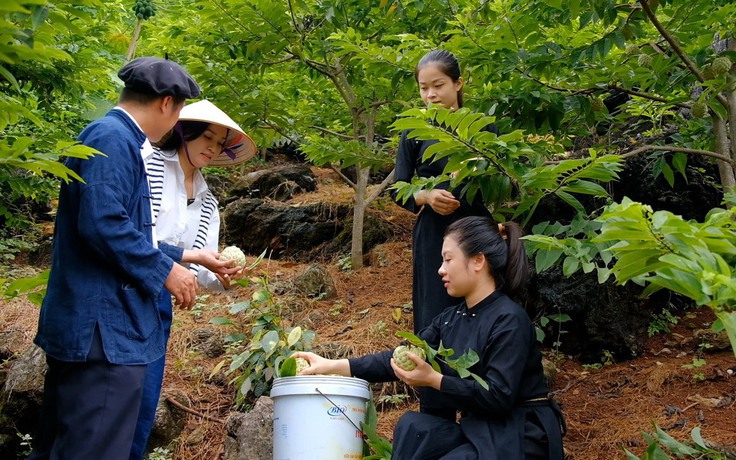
(233, 253)
(402, 359)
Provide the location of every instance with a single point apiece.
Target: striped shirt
(188, 226)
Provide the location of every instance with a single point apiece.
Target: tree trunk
(728, 181)
(731, 96)
(361, 189)
(134, 42)
(725, 130)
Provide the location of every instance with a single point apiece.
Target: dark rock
(604, 317)
(375, 231)
(20, 400)
(220, 184)
(279, 184)
(316, 281)
(168, 423)
(691, 198)
(250, 435)
(208, 340)
(710, 341)
(288, 231)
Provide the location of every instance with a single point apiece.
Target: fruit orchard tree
(327, 75)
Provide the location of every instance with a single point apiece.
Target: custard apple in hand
(235, 254)
(402, 359)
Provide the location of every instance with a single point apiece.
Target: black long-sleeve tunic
(495, 420)
(429, 296)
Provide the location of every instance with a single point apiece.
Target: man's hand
(182, 284)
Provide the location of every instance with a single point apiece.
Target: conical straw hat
(239, 147)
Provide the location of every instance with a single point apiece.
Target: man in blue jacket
(99, 322)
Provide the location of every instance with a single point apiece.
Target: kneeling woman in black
(513, 418)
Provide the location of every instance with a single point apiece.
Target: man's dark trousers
(89, 409)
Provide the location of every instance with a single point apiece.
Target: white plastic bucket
(318, 417)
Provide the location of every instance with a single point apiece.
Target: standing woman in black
(440, 83)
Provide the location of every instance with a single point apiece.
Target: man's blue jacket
(105, 270)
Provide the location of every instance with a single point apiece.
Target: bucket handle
(341, 411)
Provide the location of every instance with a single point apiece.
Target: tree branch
(293, 19)
(666, 148)
(372, 105)
(333, 133)
(343, 85)
(181, 406)
(233, 18)
(651, 97)
(677, 48)
(278, 129)
(731, 95)
(381, 187)
(343, 176)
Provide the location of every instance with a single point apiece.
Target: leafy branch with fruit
(419, 347)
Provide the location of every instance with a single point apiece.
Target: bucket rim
(316, 384)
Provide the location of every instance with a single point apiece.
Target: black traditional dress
(512, 419)
(429, 296)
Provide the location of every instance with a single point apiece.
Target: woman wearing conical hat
(186, 213)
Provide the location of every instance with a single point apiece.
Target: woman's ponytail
(517, 265)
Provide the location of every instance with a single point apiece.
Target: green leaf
(728, 319)
(9, 76)
(571, 200)
(697, 438)
(222, 321)
(668, 174)
(269, 341)
(294, 336)
(545, 259)
(679, 162)
(261, 296)
(675, 446)
(288, 367)
(239, 307)
(24, 285)
(480, 381)
(246, 386)
(570, 265)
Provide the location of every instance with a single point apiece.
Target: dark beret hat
(151, 75)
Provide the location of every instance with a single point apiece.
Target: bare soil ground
(607, 406)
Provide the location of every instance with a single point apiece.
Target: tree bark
(134, 42)
(356, 248)
(731, 96)
(728, 181)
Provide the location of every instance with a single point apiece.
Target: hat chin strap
(180, 131)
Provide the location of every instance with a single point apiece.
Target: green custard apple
(402, 359)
